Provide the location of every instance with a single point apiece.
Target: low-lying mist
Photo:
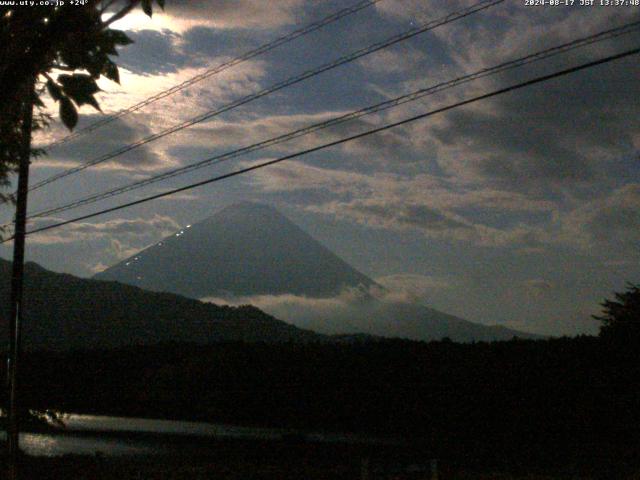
(376, 311)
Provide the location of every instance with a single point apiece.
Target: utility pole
(13, 421)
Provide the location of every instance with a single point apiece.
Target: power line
(278, 86)
(312, 27)
(413, 96)
(452, 17)
(218, 178)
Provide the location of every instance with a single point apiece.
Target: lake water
(113, 436)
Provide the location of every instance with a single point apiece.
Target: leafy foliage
(81, 88)
(64, 50)
(621, 317)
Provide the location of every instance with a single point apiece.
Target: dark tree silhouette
(60, 51)
(621, 317)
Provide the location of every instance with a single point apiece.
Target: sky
(522, 209)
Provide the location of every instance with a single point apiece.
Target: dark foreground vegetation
(566, 407)
(231, 459)
(296, 464)
(553, 405)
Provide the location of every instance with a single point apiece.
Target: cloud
(546, 169)
(437, 224)
(230, 14)
(206, 43)
(396, 188)
(294, 175)
(111, 240)
(150, 120)
(537, 287)
(430, 204)
(378, 311)
(97, 268)
(183, 15)
(262, 125)
(390, 61)
(607, 226)
(247, 131)
(412, 287)
(418, 10)
(400, 216)
(102, 141)
(154, 52)
(563, 134)
(353, 310)
(122, 233)
(339, 314)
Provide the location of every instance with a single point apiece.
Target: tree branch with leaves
(61, 52)
(620, 319)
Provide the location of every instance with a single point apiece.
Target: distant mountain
(245, 249)
(251, 253)
(64, 312)
(373, 318)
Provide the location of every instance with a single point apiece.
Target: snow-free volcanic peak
(250, 250)
(244, 249)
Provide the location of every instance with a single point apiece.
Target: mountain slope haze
(251, 254)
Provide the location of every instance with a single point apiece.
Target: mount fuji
(251, 253)
(244, 249)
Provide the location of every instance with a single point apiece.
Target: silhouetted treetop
(621, 317)
(61, 51)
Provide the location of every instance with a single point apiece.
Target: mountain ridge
(64, 312)
(225, 255)
(250, 250)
